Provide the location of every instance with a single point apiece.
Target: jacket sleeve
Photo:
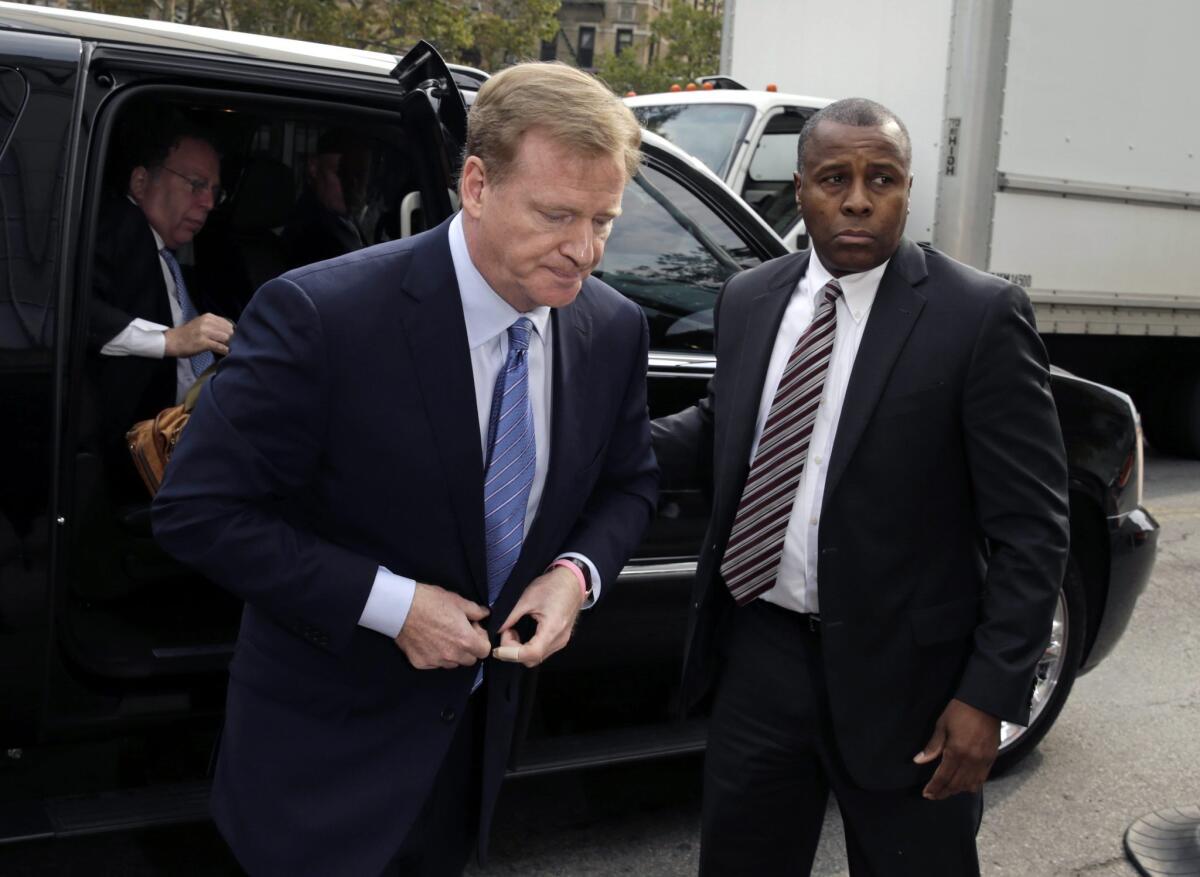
(252, 446)
(1018, 473)
(105, 319)
(683, 442)
(616, 515)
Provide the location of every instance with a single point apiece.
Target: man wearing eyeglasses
(151, 330)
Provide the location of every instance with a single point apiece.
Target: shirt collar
(858, 290)
(486, 313)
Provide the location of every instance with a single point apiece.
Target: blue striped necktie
(187, 310)
(510, 461)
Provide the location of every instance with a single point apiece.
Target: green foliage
(693, 37)
(394, 25)
(624, 72)
(131, 8)
(299, 19)
(491, 33)
(512, 31)
(689, 42)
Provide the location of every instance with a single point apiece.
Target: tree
(691, 46)
(624, 72)
(512, 31)
(692, 37)
(395, 25)
(491, 34)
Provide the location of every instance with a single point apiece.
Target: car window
(14, 91)
(670, 253)
(711, 132)
(768, 187)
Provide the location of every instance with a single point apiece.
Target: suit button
(448, 714)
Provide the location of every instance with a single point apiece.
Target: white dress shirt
(147, 338)
(796, 584)
(488, 317)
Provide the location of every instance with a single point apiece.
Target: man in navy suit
(352, 472)
(888, 532)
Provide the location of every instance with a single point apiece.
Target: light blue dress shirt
(488, 317)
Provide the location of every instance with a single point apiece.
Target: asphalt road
(1127, 742)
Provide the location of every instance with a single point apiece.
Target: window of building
(624, 38)
(549, 49)
(626, 12)
(587, 46)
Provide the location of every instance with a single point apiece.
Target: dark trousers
(442, 837)
(772, 761)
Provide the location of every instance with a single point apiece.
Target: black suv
(102, 634)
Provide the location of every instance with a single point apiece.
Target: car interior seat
(238, 249)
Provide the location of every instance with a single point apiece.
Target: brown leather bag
(151, 442)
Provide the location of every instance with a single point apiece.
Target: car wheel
(1055, 673)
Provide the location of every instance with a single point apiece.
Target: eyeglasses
(198, 186)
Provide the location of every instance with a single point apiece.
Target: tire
(1056, 673)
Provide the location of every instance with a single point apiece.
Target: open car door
(423, 71)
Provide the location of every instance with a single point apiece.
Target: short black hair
(859, 112)
(163, 131)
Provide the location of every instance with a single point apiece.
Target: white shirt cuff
(595, 577)
(388, 603)
(139, 338)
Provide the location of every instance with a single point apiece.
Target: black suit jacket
(341, 434)
(127, 282)
(943, 533)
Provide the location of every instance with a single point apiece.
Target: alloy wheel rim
(1046, 676)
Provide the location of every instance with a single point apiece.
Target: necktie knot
(832, 290)
(518, 334)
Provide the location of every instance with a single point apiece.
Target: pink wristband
(563, 562)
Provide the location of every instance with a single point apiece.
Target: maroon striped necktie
(756, 541)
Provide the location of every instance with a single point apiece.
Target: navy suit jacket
(339, 435)
(943, 533)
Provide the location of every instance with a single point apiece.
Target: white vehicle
(747, 138)
(1052, 144)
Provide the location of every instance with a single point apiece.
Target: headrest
(264, 196)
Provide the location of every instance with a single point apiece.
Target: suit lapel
(437, 336)
(765, 313)
(894, 313)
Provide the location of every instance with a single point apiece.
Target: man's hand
(205, 332)
(553, 600)
(967, 740)
(442, 630)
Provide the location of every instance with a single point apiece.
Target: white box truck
(1056, 142)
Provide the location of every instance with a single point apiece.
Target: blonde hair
(572, 107)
